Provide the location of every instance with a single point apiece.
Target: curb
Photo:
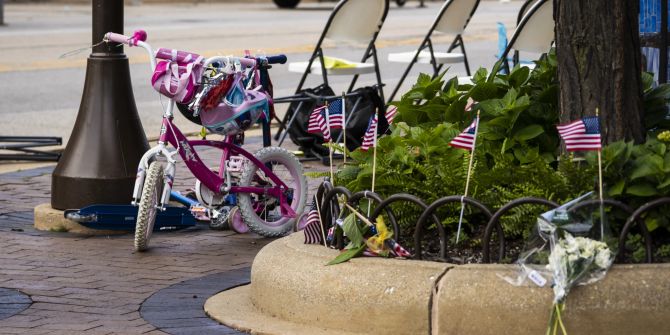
(292, 288)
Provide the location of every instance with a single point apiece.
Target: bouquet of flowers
(563, 243)
(574, 261)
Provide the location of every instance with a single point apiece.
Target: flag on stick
(318, 124)
(391, 111)
(466, 139)
(335, 115)
(581, 135)
(397, 249)
(344, 127)
(313, 229)
(370, 137)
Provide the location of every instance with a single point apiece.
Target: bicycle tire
(246, 201)
(146, 213)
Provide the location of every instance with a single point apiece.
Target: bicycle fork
(168, 175)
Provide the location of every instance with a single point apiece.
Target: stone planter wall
(291, 285)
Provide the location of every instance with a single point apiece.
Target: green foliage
(347, 254)
(635, 174)
(656, 100)
(354, 231)
(516, 152)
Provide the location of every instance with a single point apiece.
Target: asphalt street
(40, 93)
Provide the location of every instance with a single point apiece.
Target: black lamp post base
(100, 160)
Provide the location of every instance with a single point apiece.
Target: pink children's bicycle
(268, 187)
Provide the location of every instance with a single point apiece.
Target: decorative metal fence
(493, 240)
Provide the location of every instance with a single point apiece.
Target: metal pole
(100, 160)
(663, 48)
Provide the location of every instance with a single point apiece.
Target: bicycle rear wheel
(146, 214)
(261, 212)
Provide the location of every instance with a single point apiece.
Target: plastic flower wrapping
(565, 250)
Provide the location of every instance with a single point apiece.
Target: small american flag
(391, 111)
(370, 137)
(466, 139)
(318, 124)
(313, 226)
(583, 134)
(335, 116)
(398, 250)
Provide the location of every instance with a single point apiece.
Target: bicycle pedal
(235, 164)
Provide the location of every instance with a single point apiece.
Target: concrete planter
(293, 292)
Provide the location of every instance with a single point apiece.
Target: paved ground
(98, 285)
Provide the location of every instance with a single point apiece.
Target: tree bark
(598, 53)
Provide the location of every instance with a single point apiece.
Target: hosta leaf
(352, 231)
(347, 255)
(642, 190)
(484, 91)
(664, 184)
(519, 76)
(617, 188)
(528, 132)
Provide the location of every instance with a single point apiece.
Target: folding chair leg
(437, 71)
(288, 125)
(380, 86)
(402, 79)
(282, 126)
(465, 57)
(353, 83)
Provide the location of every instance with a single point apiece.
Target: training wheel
(300, 223)
(235, 221)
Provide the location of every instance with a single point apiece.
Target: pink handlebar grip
(118, 38)
(138, 36)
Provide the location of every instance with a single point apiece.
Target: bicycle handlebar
(138, 36)
(278, 59)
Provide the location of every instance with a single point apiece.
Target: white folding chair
(352, 21)
(534, 34)
(452, 19)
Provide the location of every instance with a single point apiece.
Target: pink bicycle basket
(177, 75)
(237, 112)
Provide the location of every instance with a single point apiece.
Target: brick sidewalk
(96, 285)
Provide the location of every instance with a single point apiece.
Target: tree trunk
(598, 52)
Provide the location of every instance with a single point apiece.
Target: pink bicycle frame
(171, 134)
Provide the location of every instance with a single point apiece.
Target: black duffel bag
(367, 102)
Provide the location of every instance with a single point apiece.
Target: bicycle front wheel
(261, 212)
(146, 214)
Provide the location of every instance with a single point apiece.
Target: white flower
(588, 251)
(604, 258)
(572, 258)
(571, 244)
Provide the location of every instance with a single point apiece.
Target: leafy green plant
(656, 100)
(516, 153)
(636, 174)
